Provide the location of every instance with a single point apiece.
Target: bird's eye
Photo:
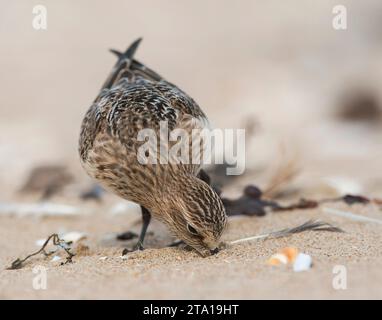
(192, 229)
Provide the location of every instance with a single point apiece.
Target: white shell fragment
(56, 258)
(285, 256)
(303, 262)
(125, 207)
(43, 209)
(103, 258)
(72, 237)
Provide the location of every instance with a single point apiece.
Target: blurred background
(309, 95)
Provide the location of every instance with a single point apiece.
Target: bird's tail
(127, 67)
(130, 51)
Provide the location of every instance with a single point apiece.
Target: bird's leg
(146, 217)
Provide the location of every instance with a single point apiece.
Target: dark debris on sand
(252, 204)
(47, 180)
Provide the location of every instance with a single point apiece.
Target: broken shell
(285, 256)
(303, 262)
(277, 259)
(55, 258)
(291, 253)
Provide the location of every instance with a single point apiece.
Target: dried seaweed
(61, 244)
(351, 199)
(302, 204)
(251, 203)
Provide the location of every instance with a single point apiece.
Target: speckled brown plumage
(134, 98)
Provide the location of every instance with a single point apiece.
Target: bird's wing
(135, 97)
(133, 76)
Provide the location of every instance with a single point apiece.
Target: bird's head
(196, 215)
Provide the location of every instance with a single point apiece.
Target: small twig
(309, 225)
(18, 263)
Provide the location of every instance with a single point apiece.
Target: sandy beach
(239, 272)
(286, 75)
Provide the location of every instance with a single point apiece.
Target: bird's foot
(137, 247)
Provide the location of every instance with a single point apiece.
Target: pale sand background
(280, 63)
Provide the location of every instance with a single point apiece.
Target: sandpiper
(133, 98)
